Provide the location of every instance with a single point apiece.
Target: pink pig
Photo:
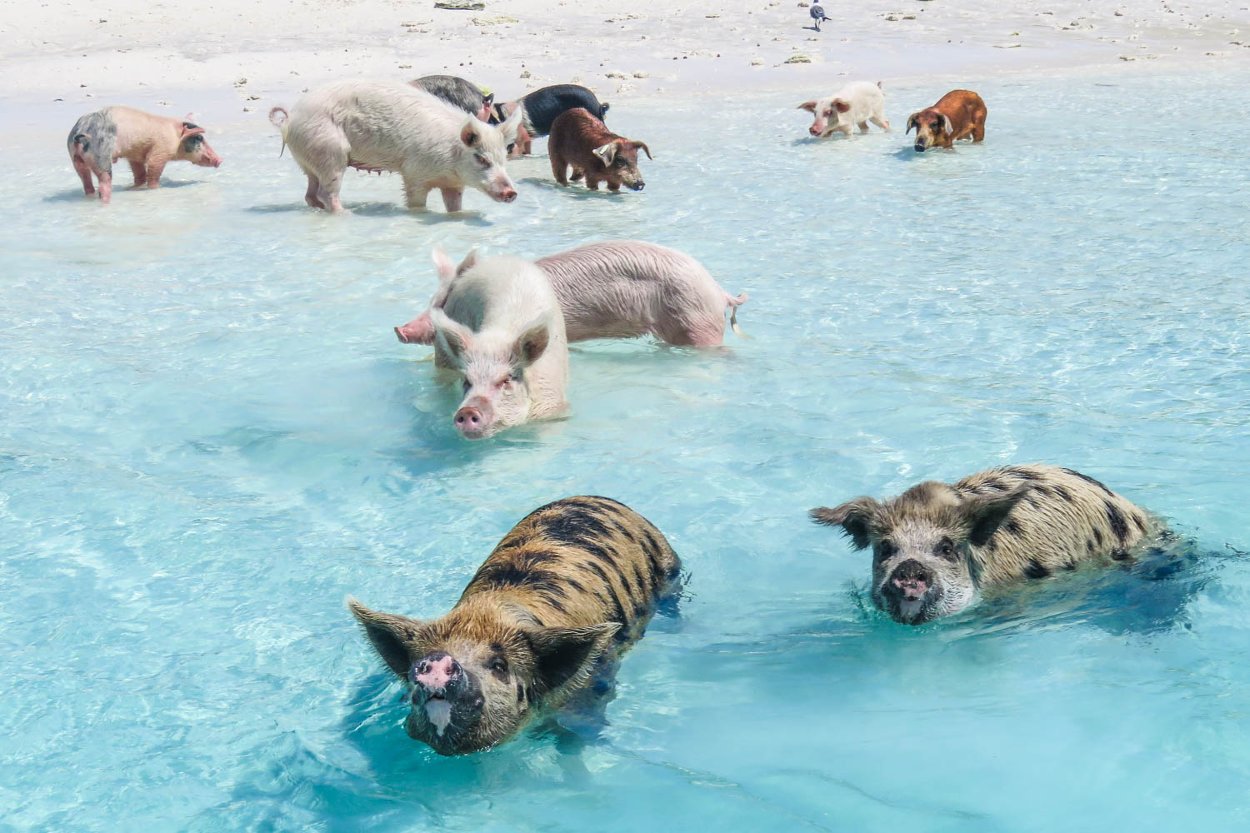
(146, 141)
(621, 289)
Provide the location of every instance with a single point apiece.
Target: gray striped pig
(937, 545)
(621, 289)
(394, 127)
(545, 618)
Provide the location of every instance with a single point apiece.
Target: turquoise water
(211, 437)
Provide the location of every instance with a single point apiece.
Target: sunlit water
(210, 437)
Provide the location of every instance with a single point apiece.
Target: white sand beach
(133, 50)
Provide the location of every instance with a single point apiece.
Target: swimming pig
(541, 625)
(936, 545)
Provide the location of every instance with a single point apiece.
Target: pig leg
(559, 168)
(314, 188)
(592, 182)
(452, 198)
(328, 191)
(577, 175)
(863, 127)
(978, 132)
(880, 121)
(106, 185)
(614, 187)
(140, 173)
(155, 166)
(416, 193)
(84, 173)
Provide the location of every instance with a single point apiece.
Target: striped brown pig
(937, 545)
(548, 614)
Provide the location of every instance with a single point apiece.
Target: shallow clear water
(211, 437)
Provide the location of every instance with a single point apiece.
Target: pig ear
(855, 517)
(470, 260)
(946, 124)
(809, 106)
(986, 512)
(532, 343)
(442, 265)
(452, 336)
(468, 134)
(488, 99)
(606, 153)
(390, 634)
(511, 125)
(840, 105)
(644, 147)
(189, 129)
(911, 123)
(564, 657)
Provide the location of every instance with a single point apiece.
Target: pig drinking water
(622, 289)
(394, 127)
(458, 92)
(936, 546)
(540, 627)
(146, 141)
(541, 107)
(580, 140)
(501, 330)
(856, 104)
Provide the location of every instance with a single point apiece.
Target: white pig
(379, 126)
(858, 103)
(622, 289)
(501, 330)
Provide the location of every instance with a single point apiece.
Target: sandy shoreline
(126, 50)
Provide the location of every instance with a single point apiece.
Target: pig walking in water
(501, 330)
(856, 104)
(394, 127)
(541, 107)
(622, 289)
(579, 139)
(541, 625)
(146, 141)
(937, 545)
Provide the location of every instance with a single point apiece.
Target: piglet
(148, 142)
(622, 289)
(581, 140)
(857, 103)
(501, 331)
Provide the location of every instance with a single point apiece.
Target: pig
(146, 141)
(542, 106)
(857, 103)
(541, 626)
(623, 289)
(459, 93)
(501, 331)
(582, 141)
(937, 546)
(379, 126)
(960, 114)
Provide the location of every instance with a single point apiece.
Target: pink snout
(471, 422)
(818, 127)
(209, 158)
(417, 331)
(504, 195)
(911, 589)
(437, 672)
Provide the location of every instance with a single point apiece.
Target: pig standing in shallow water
(622, 289)
(394, 127)
(501, 330)
(580, 139)
(541, 625)
(146, 141)
(936, 545)
(857, 103)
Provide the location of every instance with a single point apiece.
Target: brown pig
(960, 114)
(146, 141)
(540, 626)
(581, 140)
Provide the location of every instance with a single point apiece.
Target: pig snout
(436, 676)
(910, 581)
(208, 158)
(502, 192)
(417, 331)
(474, 419)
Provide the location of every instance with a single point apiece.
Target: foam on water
(210, 437)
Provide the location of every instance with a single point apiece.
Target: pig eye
(504, 381)
(946, 548)
(828, 113)
(498, 666)
(886, 549)
(481, 160)
(465, 385)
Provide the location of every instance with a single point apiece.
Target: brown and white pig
(856, 104)
(501, 331)
(547, 616)
(622, 289)
(937, 546)
(379, 126)
(148, 142)
(579, 139)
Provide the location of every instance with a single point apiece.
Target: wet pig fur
(541, 625)
(580, 140)
(937, 545)
(148, 142)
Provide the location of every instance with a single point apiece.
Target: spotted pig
(541, 625)
(936, 546)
